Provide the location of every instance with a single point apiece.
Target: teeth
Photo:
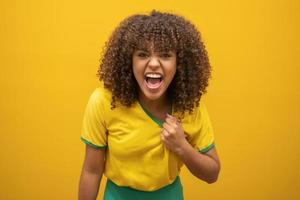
(153, 76)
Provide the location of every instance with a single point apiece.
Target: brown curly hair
(166, 32)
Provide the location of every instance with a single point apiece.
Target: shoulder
(198, 117)
(198, 111)
(100, 96)
(101, 91)
(201, 109)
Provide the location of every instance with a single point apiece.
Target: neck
(160, 104)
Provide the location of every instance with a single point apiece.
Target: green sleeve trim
(206, 149)
(91, 144)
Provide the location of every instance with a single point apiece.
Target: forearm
(200, 165)
(89, 185)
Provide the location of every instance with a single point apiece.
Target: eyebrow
(167, 51)
(142, 50)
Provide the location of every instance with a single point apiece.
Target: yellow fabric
(136, 157)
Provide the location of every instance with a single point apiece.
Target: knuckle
(172, 131)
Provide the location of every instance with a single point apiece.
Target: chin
(153, 97)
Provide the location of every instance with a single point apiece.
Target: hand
(173, 135)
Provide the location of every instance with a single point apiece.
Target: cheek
(135, 73)
(171, 71)
(134, 68)
(138, 73)
(174, 69)
(171, 75)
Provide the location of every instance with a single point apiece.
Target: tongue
(153, 81)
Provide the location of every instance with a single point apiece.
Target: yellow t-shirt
(136, 156)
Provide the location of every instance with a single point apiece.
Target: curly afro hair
(165, 31)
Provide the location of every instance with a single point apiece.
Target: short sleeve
(93, 132)
(204, 139)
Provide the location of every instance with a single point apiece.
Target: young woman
(147, 119)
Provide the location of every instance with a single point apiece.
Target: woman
(146, 119)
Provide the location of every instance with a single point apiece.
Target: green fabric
(157, 121)
(174, 191)
(205, 150)
(91, 144)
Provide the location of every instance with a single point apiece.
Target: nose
(154, 62)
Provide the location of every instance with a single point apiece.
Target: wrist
(185, 147)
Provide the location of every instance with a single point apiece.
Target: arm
(91, 174)
(204, 166)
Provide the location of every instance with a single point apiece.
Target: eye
(166, 55)
(142, 55)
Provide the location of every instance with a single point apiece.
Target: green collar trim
(157, 121)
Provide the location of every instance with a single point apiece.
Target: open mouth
(153, 81)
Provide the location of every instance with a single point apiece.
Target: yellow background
(49, 55)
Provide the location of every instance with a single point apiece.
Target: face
(154, 72)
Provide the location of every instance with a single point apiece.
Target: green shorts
(174, 191)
